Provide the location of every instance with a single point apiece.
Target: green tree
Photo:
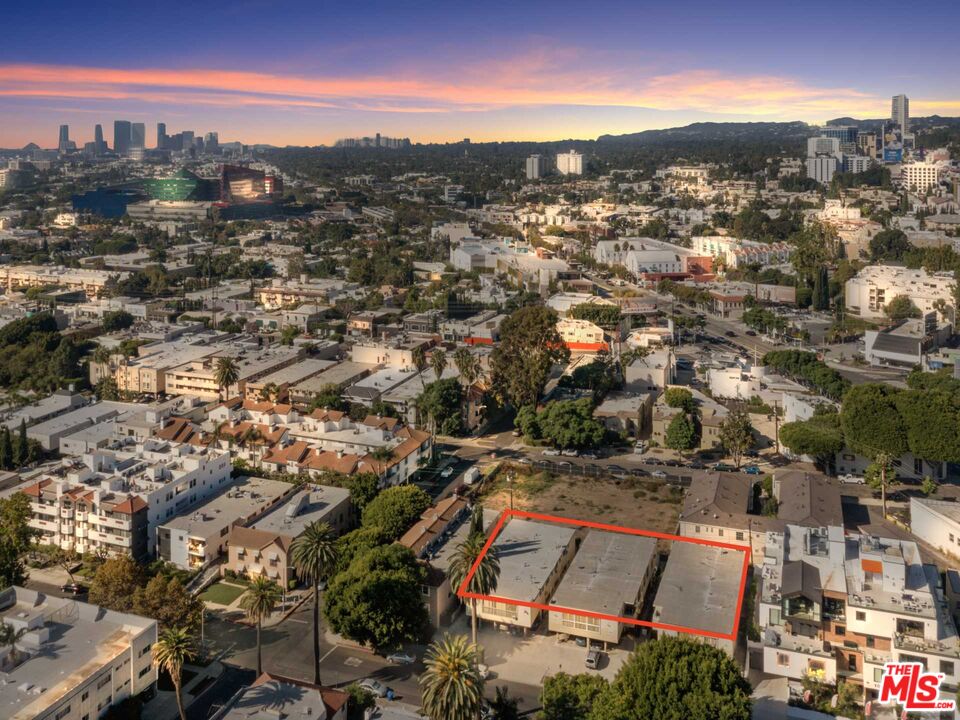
(880, 474)
(673, 678)
(16, 536)
(503, 706)
(483, 581)
(226, 373)
(529, 347)
(438, 361)
(115, 584)
(258, 603)
(395, 509)
(173, 649)
(314, 555)
(570, 697)
(819, 437)
(451, 685)
(377, 600)
(21, 446)
(358, 542)
(6, 449)
(901, 308)
(116, 320)
(736, 434)
(527, 423)
(681, 433)
(871, 421)
(821, 290)
(467, 365)
(165, 600)
(889, 245)
(929, 486)
(570, 424)
(419, 360)
(441, 404)
(682, 398)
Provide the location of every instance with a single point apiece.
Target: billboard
(892, 154)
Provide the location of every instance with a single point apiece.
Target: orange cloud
(535, 79)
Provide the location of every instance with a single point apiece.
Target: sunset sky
(307, 73)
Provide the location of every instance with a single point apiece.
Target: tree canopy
(570, 424)
(529, 347)
(395, 509)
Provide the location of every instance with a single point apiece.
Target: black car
(730, 333)
(696, 465)
(73, 589)
(751, 333)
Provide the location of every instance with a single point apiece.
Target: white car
(551, 452)
(660, 474)
(850, 479)
(401, 658)
(377, 689)
(446, 472)
(570, 452)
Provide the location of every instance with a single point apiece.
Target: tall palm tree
(419, 361)
(451, 686)
(259, 601)
(438, 361)
(484, 580)
(101, 356)
(226, 373)
(466, 365)
(314, 554)
(172, 650)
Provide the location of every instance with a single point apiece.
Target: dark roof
(902, 344)
(800, 578)
(809, 500)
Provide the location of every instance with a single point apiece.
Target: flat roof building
(609, 575)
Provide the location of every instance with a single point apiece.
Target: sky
(288, 72)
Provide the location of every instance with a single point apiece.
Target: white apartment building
(846, 604)
(920, 176)
(822, 168)
(642, 262)
(937, 523)
(536, 167)
(735, 252)
(875, 286)
(570, 163)
(92, 282)
(581, 335)
(74, 660)
(113, 499)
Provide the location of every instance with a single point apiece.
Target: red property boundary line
(462, 591)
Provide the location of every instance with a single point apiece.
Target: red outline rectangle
(745, 549)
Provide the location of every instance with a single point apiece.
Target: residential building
(712, 415)
(937, 523)
(900, 112)
(533, 558)
(93, 283)
(195, 539)
(262, 548)
(581, 335)
(199, 377)
(734, 253)
(609, 575)
(846, 604)
(536, 167)
(822, 168)
(74, 660)
(907, 344)
(570, 163)
(337, 377)
(274, 696)
(920, 177)
(875, 286)
(699, 589)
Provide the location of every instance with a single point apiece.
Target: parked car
(730, 333)
(593, 659)
(446, 472)
(472, 475)
(484, 671)
(377, 689)
(751, 470)
(659, 474)
(551, 452)
(401, 658)
(73, 589)
(723, 467)
(653, 461)
(696, 465)
(570, 452)
(751, 333)
(851, 479)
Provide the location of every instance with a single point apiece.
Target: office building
(570, 163)
(211, 142)
(867, 294)
(121, 136)
(920, 177)
(161, 136)
(536, 167)
(900, 113)
(845, 604)
(138, 136)
(100, 147)
(64, 143)
(74, 660)
(823, 145)
(822, 168)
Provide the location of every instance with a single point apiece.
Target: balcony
(66, 513)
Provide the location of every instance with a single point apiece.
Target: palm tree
(451, 686)
(438, 361)
(484, 580)
(466, 365)
(226, 373)
(259, 601)
(419, 361)
(101, 358)
(172, 650)
(313, 554)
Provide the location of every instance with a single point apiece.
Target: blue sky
(306, 73)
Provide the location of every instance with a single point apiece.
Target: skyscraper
(570, 163)
(64, 144)
(138, 135)
(211, 142)
(161, 136)
(536, 167)
(121, 136)
(900, 112)
(100, 147)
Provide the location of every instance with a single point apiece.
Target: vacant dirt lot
(643, 503)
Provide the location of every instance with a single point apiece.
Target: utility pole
(776, 425)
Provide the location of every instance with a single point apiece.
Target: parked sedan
(723, 467)
(570, 452)
(659, 474)
(751, 470)
(551, 452)
(401, 658)
(377, 689)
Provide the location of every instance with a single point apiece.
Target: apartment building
(74, 660)
(609, 575)
(113, 499)
(712, 415)
(735, 253)
(920, 177)
(570, 163)
(293, 293)
(875, 286)
(581, 335)
(197, 538)
(93, 283)
(198, 377)
(272, 696)
(937, 523)
(845, 604)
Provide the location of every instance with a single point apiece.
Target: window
(774, 616)
(877, 674)
(720, 532)
(840, 630)
(85, 695)
(951, 537)
(783, 660)
(105, 680)
(579, 622)
(947, 668)
(861, 615)
(852, 662)
(871, 642)
(739, 535)
(144, 671)
(63, 713)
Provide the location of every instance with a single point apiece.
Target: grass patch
(222, 593)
